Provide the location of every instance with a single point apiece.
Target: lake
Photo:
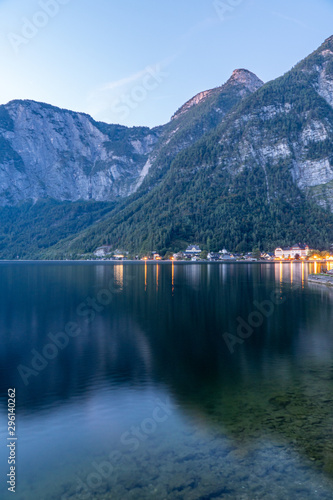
(167, 381)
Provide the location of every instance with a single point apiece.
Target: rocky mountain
(241, 165)
(193, 120)
(47, 152)
(242, 82)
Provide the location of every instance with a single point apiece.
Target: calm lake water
(184, 381)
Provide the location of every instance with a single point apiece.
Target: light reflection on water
(152, 379)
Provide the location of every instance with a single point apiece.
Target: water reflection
(157, 276)
(119, 275)
(146, 273)
(173, 277)
(298, 271)
(275, 388)
(303, 274)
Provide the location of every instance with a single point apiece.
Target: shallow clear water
(182, 381)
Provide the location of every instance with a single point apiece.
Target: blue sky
(136, 63)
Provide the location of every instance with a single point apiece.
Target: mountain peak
(328, 41)
(246, 78)
(326, 48)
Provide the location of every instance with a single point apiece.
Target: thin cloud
(161, 97)
(102, 98)
(128, 80)
(290, 19)
(122, 82)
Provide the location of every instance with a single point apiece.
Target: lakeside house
(118, 255)
(227, 256)
(178, 256)
(213, 256)
(268, 256)
(222, 255)
(292, 252)
(192, 251)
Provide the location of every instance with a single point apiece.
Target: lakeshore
(322, 279)
(157, 262)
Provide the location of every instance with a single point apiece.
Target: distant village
(194, 253)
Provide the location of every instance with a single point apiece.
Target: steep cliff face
(323, 70)
(314, 173)
(46, 152)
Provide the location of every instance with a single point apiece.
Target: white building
(292, 252)
(192, 250)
